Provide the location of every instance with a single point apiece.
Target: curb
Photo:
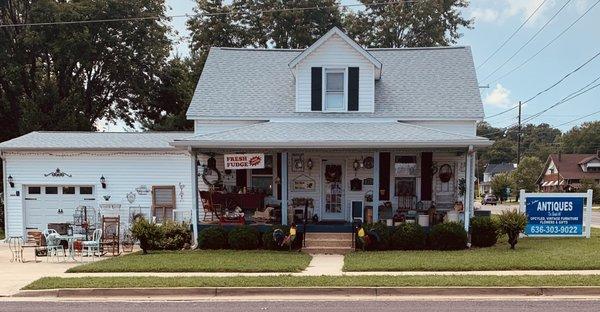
(211, 292)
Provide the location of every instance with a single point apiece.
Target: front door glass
(333, 192)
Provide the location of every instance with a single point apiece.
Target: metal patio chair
(92, 246)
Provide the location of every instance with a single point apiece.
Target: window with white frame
(335, 99)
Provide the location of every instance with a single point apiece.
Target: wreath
(445, 173)
(333, 173)
(206, 173)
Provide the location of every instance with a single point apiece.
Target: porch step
(327, 250)
(330, 243)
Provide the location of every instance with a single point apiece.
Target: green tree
(584, 139)
(66, 77)
(500, 185)
(590, 184)
(527, 172)
(408, 23)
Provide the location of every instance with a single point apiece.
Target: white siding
(211, 126)
(335, 53)
(466, 127)
(124, 172)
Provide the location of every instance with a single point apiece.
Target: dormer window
(335, 95)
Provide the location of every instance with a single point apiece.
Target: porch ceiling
(324, 135)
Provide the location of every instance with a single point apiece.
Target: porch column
(284, 188)
(469, 185)
(375, 187)
(195, 205)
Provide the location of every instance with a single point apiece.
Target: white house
(362, 133)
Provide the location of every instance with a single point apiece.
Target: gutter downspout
(195, 212)
(5, 193)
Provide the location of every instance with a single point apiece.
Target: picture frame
(297, 162)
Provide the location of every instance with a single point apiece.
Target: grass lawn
(530, 254)
(315, 281)
(201, 261)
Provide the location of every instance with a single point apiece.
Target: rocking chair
(214, 210)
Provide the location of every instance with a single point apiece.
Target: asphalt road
(303, 306)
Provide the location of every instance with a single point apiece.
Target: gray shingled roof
(427, 83)
(499, 168)
(65, 140)
(331, 135)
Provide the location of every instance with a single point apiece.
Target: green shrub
(243, 238)
(148, 234)
(512, 223)
(484, 232)
(175, 236)
(214, 237)
(408, 236)
(383, 233)
(448, 236)
(267, 238)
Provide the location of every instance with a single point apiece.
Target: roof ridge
(420, 48)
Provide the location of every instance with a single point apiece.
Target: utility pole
(519, 137)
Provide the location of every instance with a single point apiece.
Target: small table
(70, 240)
(15, 244)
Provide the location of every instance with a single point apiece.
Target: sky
(494, 22)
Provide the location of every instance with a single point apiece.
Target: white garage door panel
(43, 208)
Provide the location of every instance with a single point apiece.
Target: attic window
(334, 90)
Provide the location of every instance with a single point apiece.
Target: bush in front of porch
(532, 254)
(244, 237)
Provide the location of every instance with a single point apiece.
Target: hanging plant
(445, 173)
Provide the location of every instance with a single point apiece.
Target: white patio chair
(53, 245)
(92, 246)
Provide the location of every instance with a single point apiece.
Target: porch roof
(331, 135)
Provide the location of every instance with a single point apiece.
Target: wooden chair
(209, 207)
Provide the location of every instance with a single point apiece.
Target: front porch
(329, 190)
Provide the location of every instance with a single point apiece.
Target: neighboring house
(490, 171)
(564, 172)
(346, 127)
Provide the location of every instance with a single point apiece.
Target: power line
(512, 35)
(577, 119)
(529, 41)
(156, 17)
(549, 42)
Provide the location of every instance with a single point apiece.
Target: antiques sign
(244, 161)
(554, 216)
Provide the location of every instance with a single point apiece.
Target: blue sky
(495, 20)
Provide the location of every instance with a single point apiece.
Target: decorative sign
(297, 162)
(142, 190)
(131, 197)
(58, 173)
(304, 183)
(560, 215)
(244, 161)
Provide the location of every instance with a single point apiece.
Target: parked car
(489, 199)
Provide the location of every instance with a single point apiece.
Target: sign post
(557, 214)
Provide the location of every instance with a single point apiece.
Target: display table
(245, 201)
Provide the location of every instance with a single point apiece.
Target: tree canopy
(66, 77)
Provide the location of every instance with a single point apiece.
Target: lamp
(309, 164)
(103, 181)
(10, 181)
(356, 164)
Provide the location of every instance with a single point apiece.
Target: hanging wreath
(445, 173)
(207, 172)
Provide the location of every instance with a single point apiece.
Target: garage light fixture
(103, 181)
(11, 181)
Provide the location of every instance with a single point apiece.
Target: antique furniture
(34, 240)
(111, 229)
(229, 201)
(210, 208)
(53, 245)
(296, 209)
(71, 243)
(15, 245)
(263, 216)
(163, 202)
(93, 246)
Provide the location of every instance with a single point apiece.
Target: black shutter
(353, 88)
(316, 92)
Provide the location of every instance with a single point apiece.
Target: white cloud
(526, 8)
(581, 6)
(499, 97)
(484, 15)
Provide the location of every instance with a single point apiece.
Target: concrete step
(327, 250)
(318, 235)
(328, 242)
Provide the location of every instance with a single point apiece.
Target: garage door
(54, 204)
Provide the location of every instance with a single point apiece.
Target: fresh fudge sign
(554, 216)
(244, 161)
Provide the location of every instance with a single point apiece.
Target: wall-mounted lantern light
(103, 181)
(356, 164)
(309, 164)
(11, 181)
